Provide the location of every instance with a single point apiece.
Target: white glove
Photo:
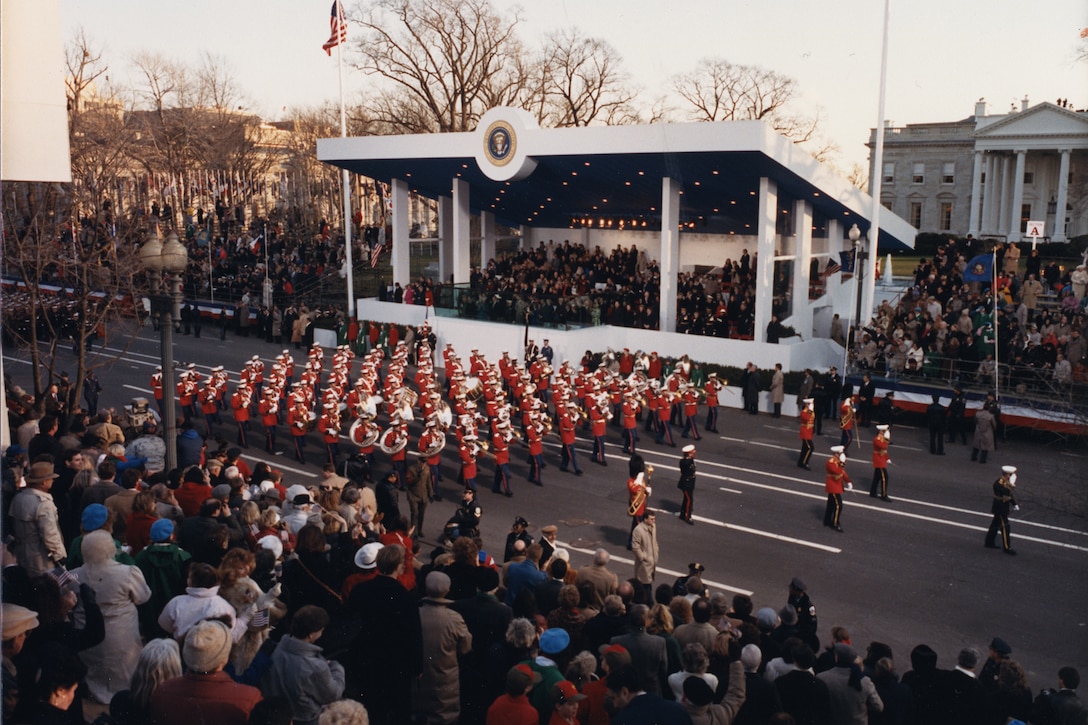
(649, 490)
(1016, 508)
(266, 599)
(849, 487)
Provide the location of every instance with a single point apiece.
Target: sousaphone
(364, 433)
(399, 442)
(436, 446)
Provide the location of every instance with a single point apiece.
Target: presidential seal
(500, 143)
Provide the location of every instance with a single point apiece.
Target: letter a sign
(1035, 230)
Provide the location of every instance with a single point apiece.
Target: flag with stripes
(375, 254)
(338, 28)
(831, 268)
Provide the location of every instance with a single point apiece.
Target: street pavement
(907, 572)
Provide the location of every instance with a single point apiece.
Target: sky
(943, 55)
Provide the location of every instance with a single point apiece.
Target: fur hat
(207, 646)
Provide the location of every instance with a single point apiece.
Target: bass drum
(473, 388)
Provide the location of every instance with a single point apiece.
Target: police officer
(466, 519)
(517, 533)
(687, 483)
(1003, 500)
(957, 410)
(807, 626)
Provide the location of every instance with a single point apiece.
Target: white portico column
(976, 195)
(765, 236)
(1017, 195)
(401, 252)
(670, 251)
(802, 256)
(1063, 196)
(445, 239)
(989, 198)
(487, 237)
(462, 248)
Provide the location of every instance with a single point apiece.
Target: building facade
(989, 174)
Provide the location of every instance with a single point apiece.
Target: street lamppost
(164, 262)
(855, 239)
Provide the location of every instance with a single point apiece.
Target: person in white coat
(118, 588)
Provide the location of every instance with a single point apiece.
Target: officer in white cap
(1003, 501)
(834, 484)
(881, 460)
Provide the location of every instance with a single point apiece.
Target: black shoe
(437, 497)
(990, 546)
(689, 522)
(837, 528)
(1010, 552)
(885, 499)
(577, 473)
(509, 494)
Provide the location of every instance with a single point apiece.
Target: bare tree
(581, 81)
(447, 61)
(718, 90)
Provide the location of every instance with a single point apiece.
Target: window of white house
(1025, 216)
(1029, 177)
(948, 172)
(946, 216)
(916, 214)
(918, 173)
(889, 172)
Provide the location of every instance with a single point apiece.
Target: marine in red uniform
(808, 430)
(629, 411)
(269, 409)
(712, 387)
(468, 451)
(879, 486)
(239, 404)
(500, 449)
(567, 458)
(834, 484)
(298, 418)
(535, 432)
(690, 400)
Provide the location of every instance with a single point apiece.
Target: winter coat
(985, 425)
(304, 678)
(118, 589)
(445, 636)
(39, 545)
(165, 567)
(644, 546)
(778, 387)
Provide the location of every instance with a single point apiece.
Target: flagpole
(993, 293)
(346, 176)
(868, 292)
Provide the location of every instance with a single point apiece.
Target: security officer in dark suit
(833, 386)
(957, 412)
(1003, 501)
(936, 417)
(807, 625)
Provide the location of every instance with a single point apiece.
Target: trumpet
(649, 470)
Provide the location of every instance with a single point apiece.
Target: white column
(487, 237)
(462, 249)
(834, 239)
(802, 257)
(1003, 196)
(976, 195)
(1058, 235)
(670, 251)
(401, 252)
(445, 238)
(765, 236)
(989, 194)
(1017, 195)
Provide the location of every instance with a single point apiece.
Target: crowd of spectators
(945, 328)
(220, 593)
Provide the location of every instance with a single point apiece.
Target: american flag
(375, 254)
(831, 268)
(338, 28)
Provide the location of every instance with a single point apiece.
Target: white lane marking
(758, 532)
(670, 572)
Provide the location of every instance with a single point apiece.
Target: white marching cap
(882, 427)
(1008, 469)
(837, 449)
